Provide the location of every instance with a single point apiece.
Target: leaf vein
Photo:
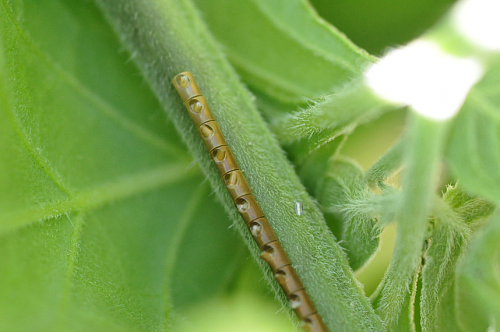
(106, 108)
(104, 194)
(70, 267)
(183, 224)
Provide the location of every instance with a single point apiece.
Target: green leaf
(478, 282)
(283, 48)
(378, 24)
(407, 313)
(438, 291)
(314, 166)
(100, 213)
(454, 217)
(406, 322)
(248, 306)
(343, 188)
(474, 148)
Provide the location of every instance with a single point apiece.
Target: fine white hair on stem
(424, 77)
(478, 21)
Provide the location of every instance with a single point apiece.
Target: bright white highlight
(421, 75)
(479, 21)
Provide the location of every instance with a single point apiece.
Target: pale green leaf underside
(479, 282)
(474, 157)
(99, 207)
(474, 149)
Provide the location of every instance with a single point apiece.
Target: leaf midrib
(107, 108)
(87, 199)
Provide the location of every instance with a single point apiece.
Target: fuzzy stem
(166, 37)
(422, 158)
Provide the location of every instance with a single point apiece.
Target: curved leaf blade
(474, 147)
(269, 39)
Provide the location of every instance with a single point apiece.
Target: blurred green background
(374, 25)
(377, 24)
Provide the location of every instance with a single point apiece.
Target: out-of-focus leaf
(474, 148)
(343, 186)
(313, 167)
(241, 312)
(378, 24)
(283, 48)
(249, 307)
(478, 282)
(100, 213)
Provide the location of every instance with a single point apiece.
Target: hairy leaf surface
(454, 218)
(101, 214)
(343, 187)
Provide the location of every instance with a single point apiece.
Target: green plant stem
(336, 114)
(422, 159)
(167, 37)
(386, 165)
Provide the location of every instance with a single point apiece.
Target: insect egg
(299, 209)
